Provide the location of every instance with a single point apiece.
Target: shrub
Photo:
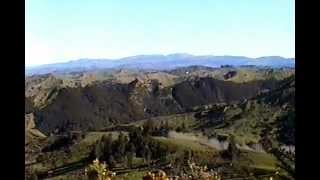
(98, 171)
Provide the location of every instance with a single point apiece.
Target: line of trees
(124, 149)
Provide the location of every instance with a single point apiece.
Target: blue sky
(58, 31)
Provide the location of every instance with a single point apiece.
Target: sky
(60, 31)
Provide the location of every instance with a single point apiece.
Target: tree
(111, 161)
(122, 140)
(130, 147)
(183, 126)
(148, 127)
(187, 156)
(147, 155)
(233, 150)
(99, 149)
(286, 128)
(130, 153)
(178, 161)
(178, 129)
(107, 146)
(119, 147)
(103, 147)
(33, 176)
(130, 157)
(166, 125)
(266, 143)
(164, 129)
(139, 141)
(135, 136)
(286, 161)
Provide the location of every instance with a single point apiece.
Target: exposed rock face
(58, 107)
(102, 104)
(39, 84)
(105, 103)
(207, 90)
(41, 90)
(29, 107)
(29, 121)
(31, 133)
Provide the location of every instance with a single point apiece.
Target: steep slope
(209, 91)
(41, 90)
(104, 103)
(284, 94)
(268, 117)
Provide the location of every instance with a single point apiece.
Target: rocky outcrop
(29, 121)
(31, 132)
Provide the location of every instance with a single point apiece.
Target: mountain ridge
(158, 62)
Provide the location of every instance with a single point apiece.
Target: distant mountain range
(160, 62)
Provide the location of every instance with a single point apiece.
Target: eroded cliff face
(209, 91)
(105, 103)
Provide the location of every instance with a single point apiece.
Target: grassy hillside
(235, 121)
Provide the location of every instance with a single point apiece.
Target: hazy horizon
(60, 32)
(115, 59)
